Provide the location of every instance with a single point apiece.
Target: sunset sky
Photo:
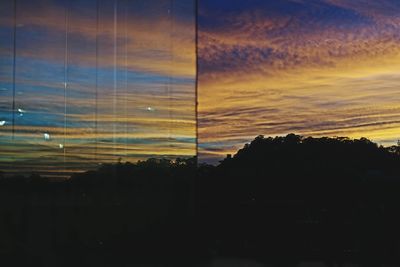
(312, 67)
(145, 78)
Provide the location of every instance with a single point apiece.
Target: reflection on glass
(95, 81)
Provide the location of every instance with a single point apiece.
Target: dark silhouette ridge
(332, 199)
(120, 213)
(280, 201)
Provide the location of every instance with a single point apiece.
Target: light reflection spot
(46, 136)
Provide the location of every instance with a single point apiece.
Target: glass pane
(161, 79)
(146, 91)
(96, 81)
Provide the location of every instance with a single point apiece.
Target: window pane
(96, 81)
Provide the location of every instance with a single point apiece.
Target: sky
(310, 67)
(95, 81)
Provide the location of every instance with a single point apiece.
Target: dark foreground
(285, 201)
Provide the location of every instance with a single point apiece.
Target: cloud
(310, 67)
(169, 49)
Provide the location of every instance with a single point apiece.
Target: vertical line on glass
(96, 82)
(171, 58)
(115, 76)
(126, 79)
(14, 66)
(196, 13)
(65, 79)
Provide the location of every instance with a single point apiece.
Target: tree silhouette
(278, 198)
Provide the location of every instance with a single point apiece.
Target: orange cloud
(274, 73)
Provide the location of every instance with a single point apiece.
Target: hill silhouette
(332, 199)
(278, 200)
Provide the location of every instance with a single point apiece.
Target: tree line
(280, 200)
